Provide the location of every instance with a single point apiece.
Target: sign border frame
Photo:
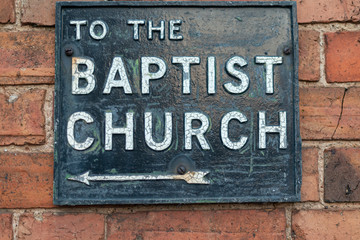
(297, 139)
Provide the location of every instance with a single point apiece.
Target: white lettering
(160, 29)
(117, 66)
(230, 68)
(173, 29)
(146, 75)
(211, 75)
(136, 24)
(269, 70)
(158, 146)
(78, 23)
(98, 36)
(186, 61)
(225, 130)
(70, 130)
(128, 131)
(198, 132)
(87, 75)
(281, 129)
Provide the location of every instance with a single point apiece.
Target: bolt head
(181, 170)
(69, 51)
(287, 51)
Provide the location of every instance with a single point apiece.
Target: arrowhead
(196, 177)
(83, 178)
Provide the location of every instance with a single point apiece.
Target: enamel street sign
(176, 102)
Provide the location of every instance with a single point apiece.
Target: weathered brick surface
(40, 12)
(26, 80)
(29, 54)
(342, 62)
(310, 174)
(26, 180)
(324, 224)
(5, 226)
(342, 174)
(62, 226)
(326, 113)
(220, 224)
(7, 11)
(154, 235)
(309, 55)
(22, 119)
(328, 11)
(349, 124)
(320, 110)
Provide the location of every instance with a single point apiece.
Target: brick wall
(329, 72)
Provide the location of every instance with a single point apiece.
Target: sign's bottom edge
(61, 202)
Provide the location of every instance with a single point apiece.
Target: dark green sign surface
(176, 102)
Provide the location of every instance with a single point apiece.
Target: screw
(287, 51)
(181, 170)
(69, 51)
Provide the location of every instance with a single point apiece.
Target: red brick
(342, 175)
(309, 55)
(310, 174)
(25, 80)
(5, 226)
(62, 226)
(219, 224)
(328, 11)
(324, 224)
(26, 180)
(22, 119)
(342, 61)
(40, 12)
(7, 11)
(320, 110)
(27, 54)
(349, 124)
(153, 235)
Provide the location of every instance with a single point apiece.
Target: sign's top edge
(179, 4)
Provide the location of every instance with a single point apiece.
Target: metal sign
(176, 102)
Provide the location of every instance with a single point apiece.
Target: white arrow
(194, 177)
